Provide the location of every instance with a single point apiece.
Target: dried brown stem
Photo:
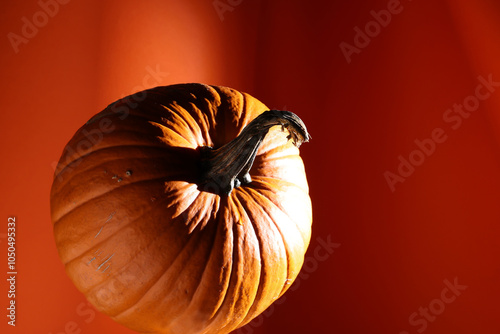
(227, 167)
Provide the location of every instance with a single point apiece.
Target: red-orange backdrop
(401, 98)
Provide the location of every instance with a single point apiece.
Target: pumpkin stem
(227, 167)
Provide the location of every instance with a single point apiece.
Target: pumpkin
(183, 208)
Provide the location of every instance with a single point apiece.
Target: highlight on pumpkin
(189, 213)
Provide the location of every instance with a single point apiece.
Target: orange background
(393, 249)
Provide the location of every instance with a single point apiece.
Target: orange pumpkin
(183, 209)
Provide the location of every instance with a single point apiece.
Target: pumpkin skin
(151, 248)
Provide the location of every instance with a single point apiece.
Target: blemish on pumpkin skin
(97, 253)
(118, 178)
(109, 218)
(102, 264)
(99, 231)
